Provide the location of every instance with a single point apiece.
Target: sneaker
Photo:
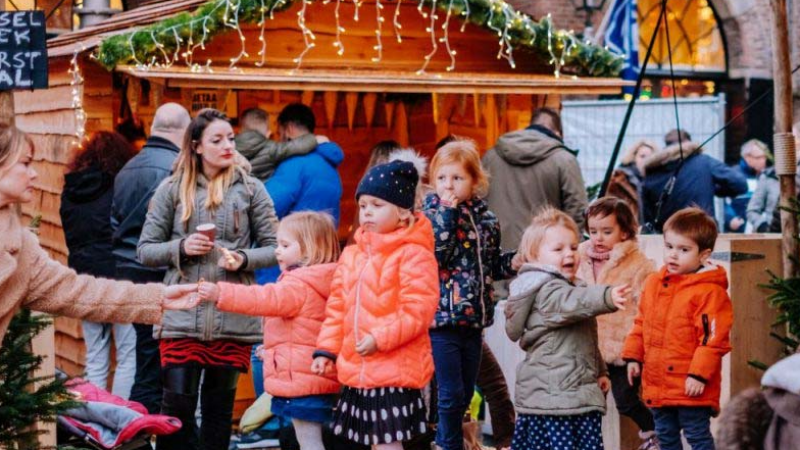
(650, 443)
(258, 439)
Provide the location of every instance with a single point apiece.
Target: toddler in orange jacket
(385, 293)
(682, 332)
(293, 309)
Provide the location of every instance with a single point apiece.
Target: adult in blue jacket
(698, 181)
(751, 165)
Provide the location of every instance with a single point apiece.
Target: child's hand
(605, 384)
(260, 352)
(322, 139)
(367, 346)
(517, 261)
(448, 199)
(619, 296)
(208, 292)
(180, 296)
(321, 365)
(634, 370)
(694, 387)
(230, 261)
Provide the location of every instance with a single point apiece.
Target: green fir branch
(154, 43)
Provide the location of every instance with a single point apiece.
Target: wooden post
(784, 142)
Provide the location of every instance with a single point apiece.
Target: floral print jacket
(470, 260)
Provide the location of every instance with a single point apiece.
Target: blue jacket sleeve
(285, 186)
(728, 182)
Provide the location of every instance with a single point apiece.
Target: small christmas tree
(20, 404)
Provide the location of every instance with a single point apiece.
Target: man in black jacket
(133, 188)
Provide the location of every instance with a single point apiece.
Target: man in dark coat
(133, 188)
(698, 180)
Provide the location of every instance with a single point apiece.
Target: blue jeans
(456, 357)
(695, 423)
(98, 355)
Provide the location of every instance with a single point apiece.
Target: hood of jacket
(250, 142)
(671, 153)
(86, 185)
(331, 153)
(421, 233)
(532, 276)
(527, 147)
(710, 274)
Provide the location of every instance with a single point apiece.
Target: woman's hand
(208, 292)
(230, 261)
(197, 245)
(367, 346)
(180, 296)
(321, 365)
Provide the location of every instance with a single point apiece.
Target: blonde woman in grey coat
(560, 384)
(209, 187)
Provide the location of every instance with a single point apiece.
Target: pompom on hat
(394, 182)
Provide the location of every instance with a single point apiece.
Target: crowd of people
(381, 343)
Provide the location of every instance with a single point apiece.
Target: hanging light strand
(446, 38)
(396, 22)
(466, 14)
(77, 97)
(308, 35)
(432, 30)
(262, 53)
(379, 29)
(235, 24)
(339, 30)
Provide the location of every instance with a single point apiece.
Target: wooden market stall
(372, 92)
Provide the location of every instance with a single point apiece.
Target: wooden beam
(331, 100)
(351, 100)
(389, 108)
(370, 101)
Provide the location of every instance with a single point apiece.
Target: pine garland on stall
(167, 41)
(20, 405)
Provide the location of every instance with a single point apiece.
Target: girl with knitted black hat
(383, 299)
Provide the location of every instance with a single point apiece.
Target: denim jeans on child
(456, 357)
(98, 355)
(695, 423)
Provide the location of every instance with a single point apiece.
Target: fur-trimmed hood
(672, 153)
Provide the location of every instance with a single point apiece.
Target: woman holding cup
(209, 221)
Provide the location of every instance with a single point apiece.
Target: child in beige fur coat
(612, 256)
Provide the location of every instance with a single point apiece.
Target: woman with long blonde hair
(30, 279)
(210, 221)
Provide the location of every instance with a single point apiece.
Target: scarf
(598, 259)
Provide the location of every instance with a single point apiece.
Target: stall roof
(376, 81)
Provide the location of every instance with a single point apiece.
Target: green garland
(155, 42)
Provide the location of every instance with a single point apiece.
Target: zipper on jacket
(480, 266)
(358, 310)
(706, 331)
(235, 219)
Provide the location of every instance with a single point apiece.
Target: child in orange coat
(385, 293)
(682, 332)
(293, 310)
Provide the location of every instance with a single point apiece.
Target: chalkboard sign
(23, 50)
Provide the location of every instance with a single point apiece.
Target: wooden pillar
(784, 142)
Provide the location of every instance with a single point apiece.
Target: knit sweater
(30, 279)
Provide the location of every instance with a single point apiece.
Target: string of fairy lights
(181, 36)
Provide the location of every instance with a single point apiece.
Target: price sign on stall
(23, 50)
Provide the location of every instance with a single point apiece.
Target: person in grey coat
(560, 386)
(209, 187)
(763, 202)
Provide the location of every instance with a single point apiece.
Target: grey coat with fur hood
(554, 321)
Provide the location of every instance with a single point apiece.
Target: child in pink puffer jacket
(293, 310)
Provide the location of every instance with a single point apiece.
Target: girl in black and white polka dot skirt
(559, 398)
(383, 298)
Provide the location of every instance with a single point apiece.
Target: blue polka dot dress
(578, 432)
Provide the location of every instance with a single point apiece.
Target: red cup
(208, 230)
